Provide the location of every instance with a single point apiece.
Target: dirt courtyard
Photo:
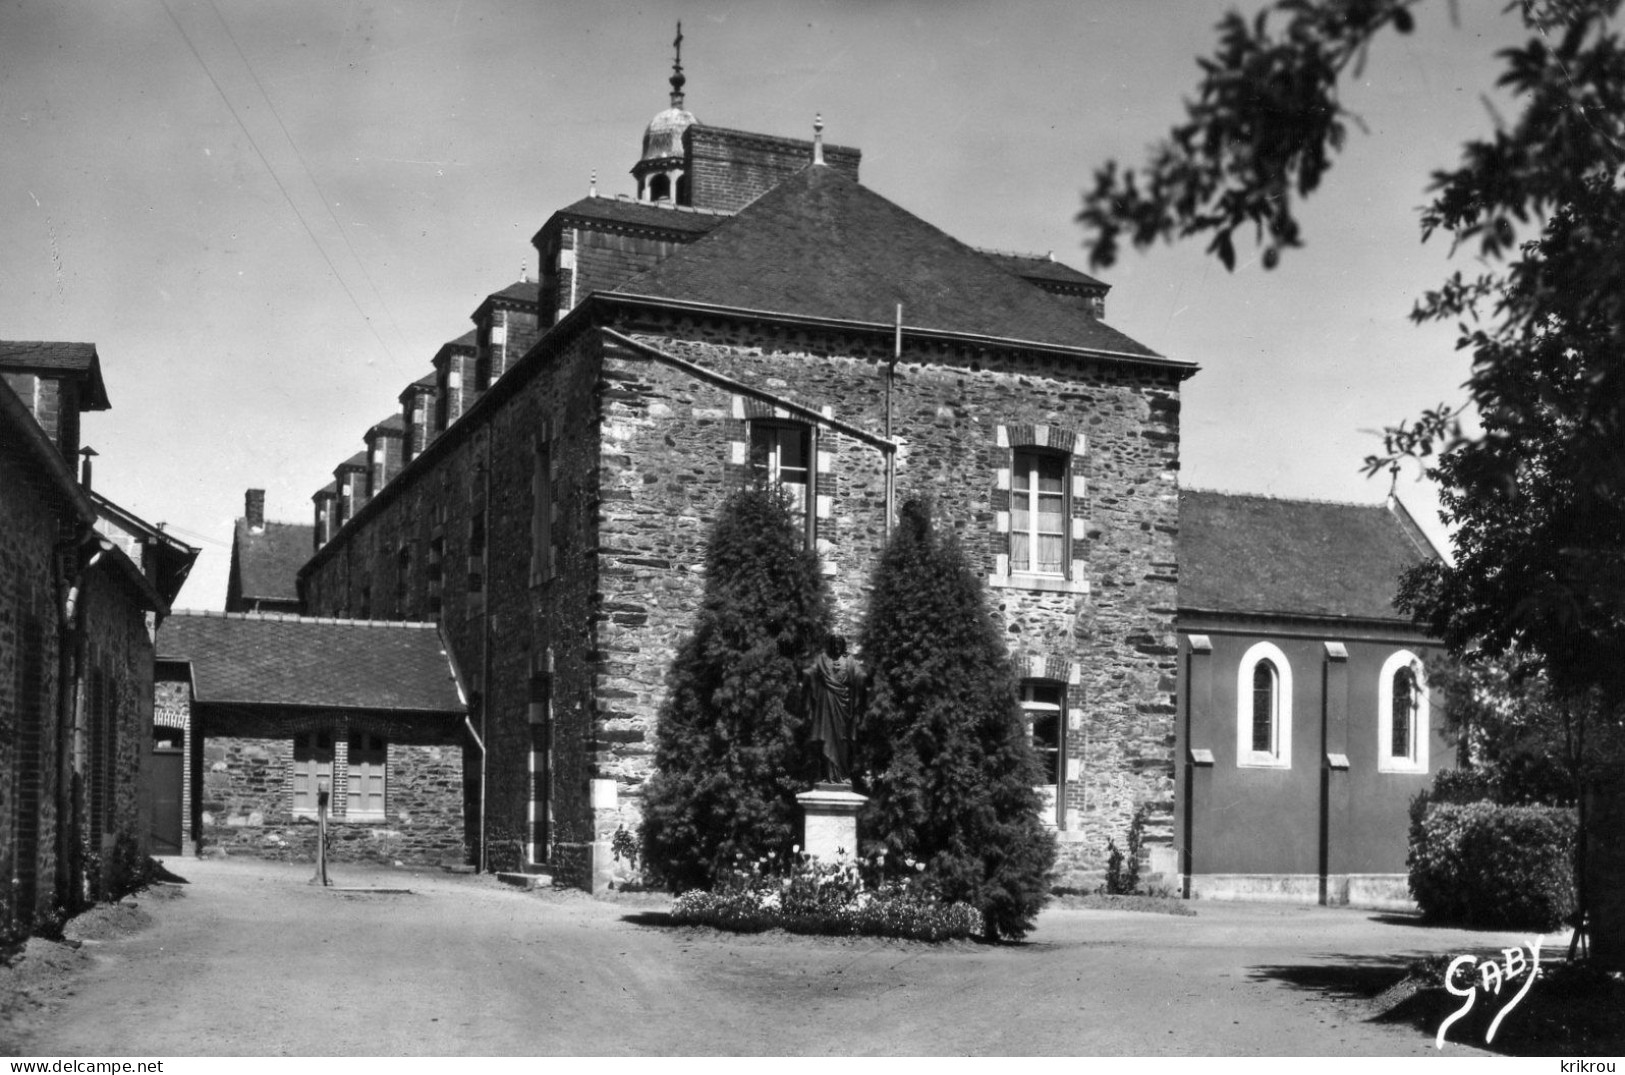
(249, 959)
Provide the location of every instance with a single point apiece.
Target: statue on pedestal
(832, 691)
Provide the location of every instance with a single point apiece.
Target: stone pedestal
(830, 821)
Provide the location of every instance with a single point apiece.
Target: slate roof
(663, 216)
(1043, 267)
(526, 291)
(50, 356)
(394, 423)
(268, 562)
(819, 244)
(272, 660)
(1260, 554)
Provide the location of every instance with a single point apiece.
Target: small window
(1038, 512)
(781, 457)
(368, 757)
(1402, 715)
(659, 188)
(1043, 706)
(541, 514)
(1264, 708)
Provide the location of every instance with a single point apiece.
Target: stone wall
(247, 802)
(641, 455)
(29, 674)
(117, 705)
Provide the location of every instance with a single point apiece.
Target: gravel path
(252, 960)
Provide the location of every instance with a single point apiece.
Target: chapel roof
(1250, 554)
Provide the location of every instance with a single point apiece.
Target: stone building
(1306, 724)
(757, 312)
(82, 583)
(278, 709)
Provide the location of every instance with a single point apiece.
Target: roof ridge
(1286, 499)
(293, 617)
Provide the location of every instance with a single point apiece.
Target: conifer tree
(728, 754)
(948, 766)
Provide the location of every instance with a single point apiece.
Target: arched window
(659, 188)
(1266, 705)
(1402, 715)
(1264, 708)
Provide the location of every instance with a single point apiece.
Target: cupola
(662, 171)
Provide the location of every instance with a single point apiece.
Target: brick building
(755, 310)
(82, 584)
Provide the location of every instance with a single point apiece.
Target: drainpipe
(891, 456)
(485, 650)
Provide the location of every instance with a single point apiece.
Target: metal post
(321, 838)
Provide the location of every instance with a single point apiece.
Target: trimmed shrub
(944, 753)
(1497, 867)
(728, 757)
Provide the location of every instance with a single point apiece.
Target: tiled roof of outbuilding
(1260, 554)
(819, 244)
(267, 561)
(264, 659)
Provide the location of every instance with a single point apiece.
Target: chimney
(254, 509)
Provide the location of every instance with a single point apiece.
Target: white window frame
(1281, 756)
(1053, 789)
(1035, 453)
(354, 769)
(806, 510)
(315, 770)
(1421, 728)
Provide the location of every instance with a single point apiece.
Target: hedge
(1492, 866)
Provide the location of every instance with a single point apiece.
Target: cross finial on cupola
(677, 77)
(818, 138)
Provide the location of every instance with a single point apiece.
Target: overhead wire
(310, 232)
(309, 175)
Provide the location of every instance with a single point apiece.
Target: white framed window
(1402, 714)
(1264, 708)
(365, 777)
(1043, 708)
(781, 456)
(1039, 512)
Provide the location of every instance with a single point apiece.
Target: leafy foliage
(1537, 499)
(1497, 867)
(1123, 871)
(727, 752)
(944, 752)
(1526, 743)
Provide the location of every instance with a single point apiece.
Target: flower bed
(830, 898)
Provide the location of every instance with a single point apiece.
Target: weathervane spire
(677, 77)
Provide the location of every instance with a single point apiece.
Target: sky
(269, 217)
